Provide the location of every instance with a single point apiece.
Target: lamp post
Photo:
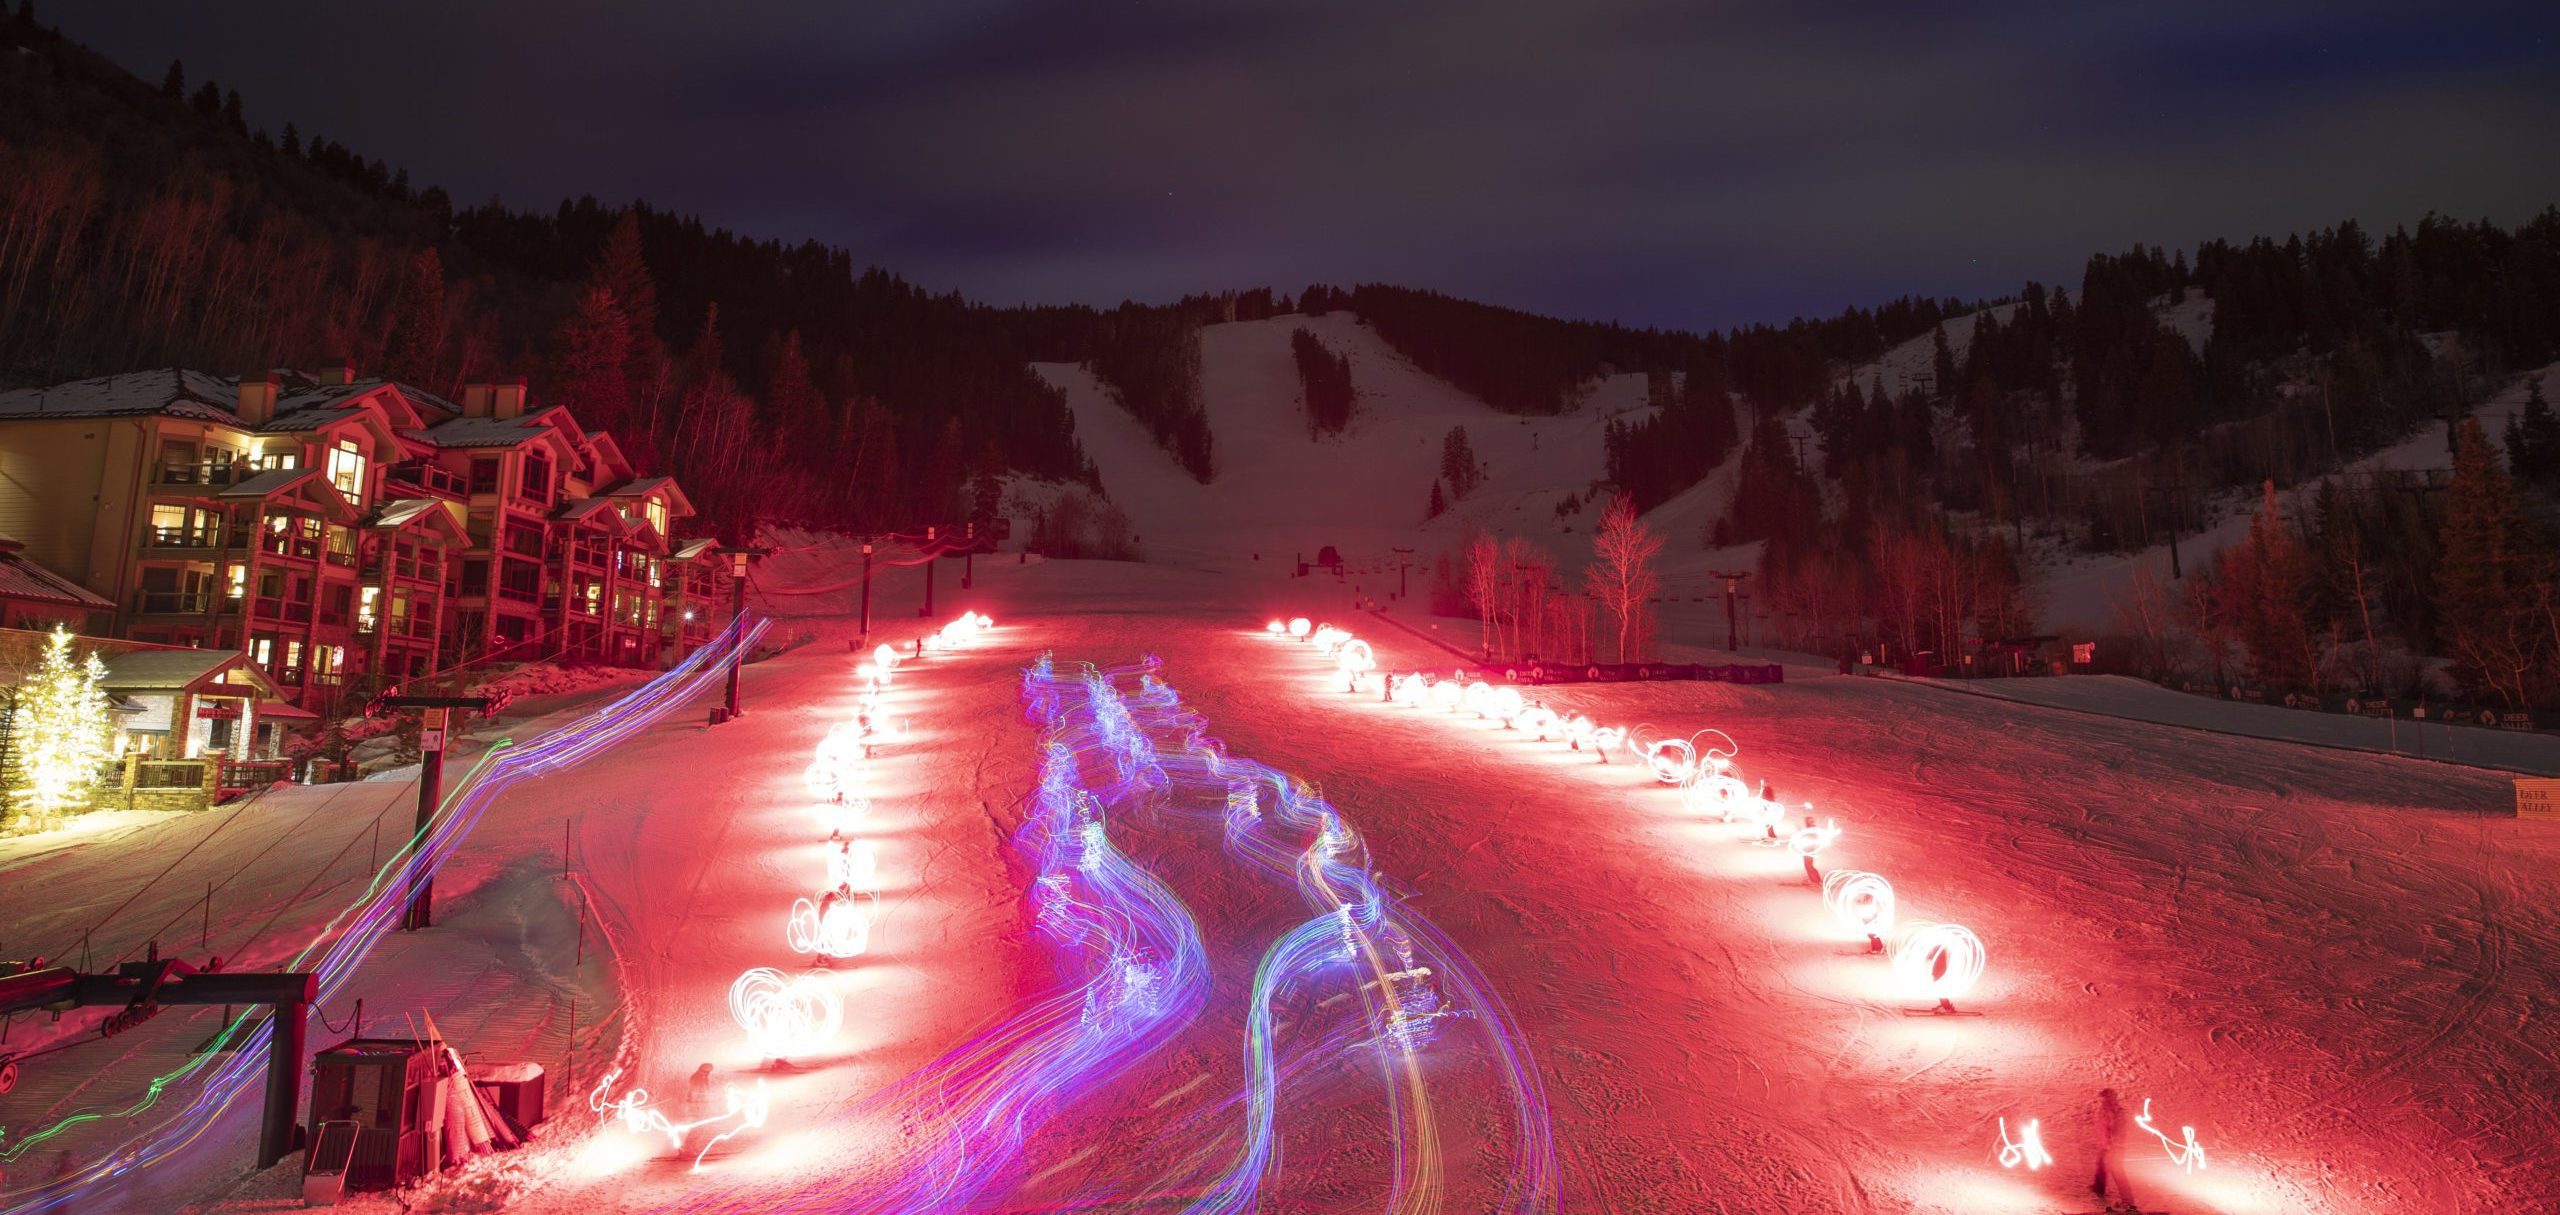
(1732, 585)
(931, 533)
(1402, 555)
(866, 591)
(969, 559)
(737, 613)
(420, 912)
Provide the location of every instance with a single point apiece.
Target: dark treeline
(1324, 380)
(143, 226)
(1151, 358)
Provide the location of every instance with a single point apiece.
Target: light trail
(212, 1080)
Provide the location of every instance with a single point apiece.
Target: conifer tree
(621, 269)
(2533, 439)
(2482, 572)
(63, 730)
(1458, 462)
(1439, 505)
(589, 359)
(174, 85)
(414, 348)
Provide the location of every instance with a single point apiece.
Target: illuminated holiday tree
(62, 730)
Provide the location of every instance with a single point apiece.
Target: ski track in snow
(2338, 967)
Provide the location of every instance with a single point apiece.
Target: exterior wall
(79, 492)
(54, 482)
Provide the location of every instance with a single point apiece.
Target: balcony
(211, 474)
(173, 603)
(182, 539)
(518, 593)
(291, 611)
(287, 544)
(423, 567)
(430, 480)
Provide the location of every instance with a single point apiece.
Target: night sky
(1684, 164)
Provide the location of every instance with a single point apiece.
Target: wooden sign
(2537, 797)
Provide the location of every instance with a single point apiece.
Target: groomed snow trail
(2339, 968)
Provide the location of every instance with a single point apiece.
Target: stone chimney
(475, 399)
(257, 398)
(507, 400)
(339, 373)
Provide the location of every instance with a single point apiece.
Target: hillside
(1280, 493)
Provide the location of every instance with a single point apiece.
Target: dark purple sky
(1658, 162)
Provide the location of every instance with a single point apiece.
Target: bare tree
(1621, 572)
(1484, 581)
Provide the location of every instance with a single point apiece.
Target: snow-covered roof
(691, 549)
(639, 485)
(158, 670)
(174, 391)
(24, 579)
(485, 432)
(587, 508)
(399, 512)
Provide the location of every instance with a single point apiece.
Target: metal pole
(422, 880)
(927, 609)
(280, 1131)
(737, 613)
(969, 560)
(866, 590)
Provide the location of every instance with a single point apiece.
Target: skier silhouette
(2111, 1125)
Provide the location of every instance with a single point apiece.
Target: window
(342, 545)
(271, 461)
(365, 610)
(263, 650)
(346, 470)
(293, 655)
(658, 514)
(535, 485)
(484, 474)
(175, 526)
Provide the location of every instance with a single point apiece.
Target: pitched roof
(690, 549)
(399, 511)
(484, 432)
(639, 485)
(149, 670)
(174, 391)
(24, 579)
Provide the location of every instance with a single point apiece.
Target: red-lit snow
(2337, 967)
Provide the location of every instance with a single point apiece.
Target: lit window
(658, 515)
(346, 469)
(364, 610)
(292, 655)
(263, 650)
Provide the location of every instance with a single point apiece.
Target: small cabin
(380, 1092)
